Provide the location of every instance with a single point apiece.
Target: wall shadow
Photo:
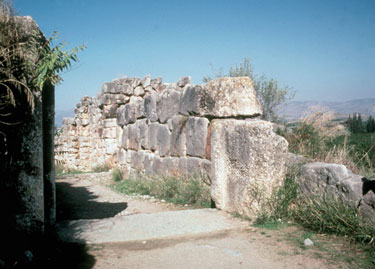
(73, 203)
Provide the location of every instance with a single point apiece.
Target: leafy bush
(116, 174)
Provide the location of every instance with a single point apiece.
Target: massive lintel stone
(221, 97)
(318, 180)
(248, 163)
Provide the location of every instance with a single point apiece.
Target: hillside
(296, 109)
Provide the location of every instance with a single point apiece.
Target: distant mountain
(296, 109)
(60, 114)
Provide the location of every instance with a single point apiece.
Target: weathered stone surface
(196, 136)
(183, 81)
(110, 87)
(143, 133)
(170, 166)
(193, 166)
(108, 123)
(120, 116)
(163, 140)
(247, 163)
(133, 136)
(122, 157)
(152, 134)
(150, 104)
(148, 162)
(138, 102)
(319, 180)
(109, 132)
(146, 81)
(139, 91)
(134, 82)
(222, 97)
(155, 83)
(168, 103)
(110, 111)
(130, 113)
(178, 137)
(110, 146)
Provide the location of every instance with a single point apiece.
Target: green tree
(270, 94)
(370, 125)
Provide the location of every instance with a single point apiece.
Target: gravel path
(86, 198)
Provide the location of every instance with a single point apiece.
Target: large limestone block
(163, 140)
(110, 146)
(138, 102)
(178, 138)
(150, 104)
(152, 136)
(196, 136)
(168, 103)
(130, 113)
(248, 161)
(143, 133)
(319, 180)
(221, 97)
(133, 137)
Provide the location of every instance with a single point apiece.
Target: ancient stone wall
(179, 129)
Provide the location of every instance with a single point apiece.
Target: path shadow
(73, 203)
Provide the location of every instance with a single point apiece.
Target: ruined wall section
(141, 125)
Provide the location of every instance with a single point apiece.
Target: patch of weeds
(101, 168)
(116, 174)
(239, 216)
(191, 191)
(61, 170)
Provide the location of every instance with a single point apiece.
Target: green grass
(192, 191)
(61, 170)
(362, 147)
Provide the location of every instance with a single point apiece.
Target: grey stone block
(247, 158)
(139, 91)
(193, 166)
(130, 113)
(152, 136)
(148, 163)
(150, 104)
(143, 133)
(155, 83)
(182, 166)
(146, 81)
(196, 136)
(170, 166)
(108, 123)
(121, 116)
(183, 81)
(177, 125)
(110, 111)
(133, 136)
(163, 140)
(221, 97)
(168, 103)
(122, 156)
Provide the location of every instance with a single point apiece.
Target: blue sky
(324, 50)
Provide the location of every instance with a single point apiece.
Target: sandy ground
(86, 196)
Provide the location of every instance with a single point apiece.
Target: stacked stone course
(179, 129)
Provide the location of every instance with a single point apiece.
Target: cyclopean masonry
(180, 129)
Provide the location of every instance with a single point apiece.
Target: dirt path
(85, 197)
